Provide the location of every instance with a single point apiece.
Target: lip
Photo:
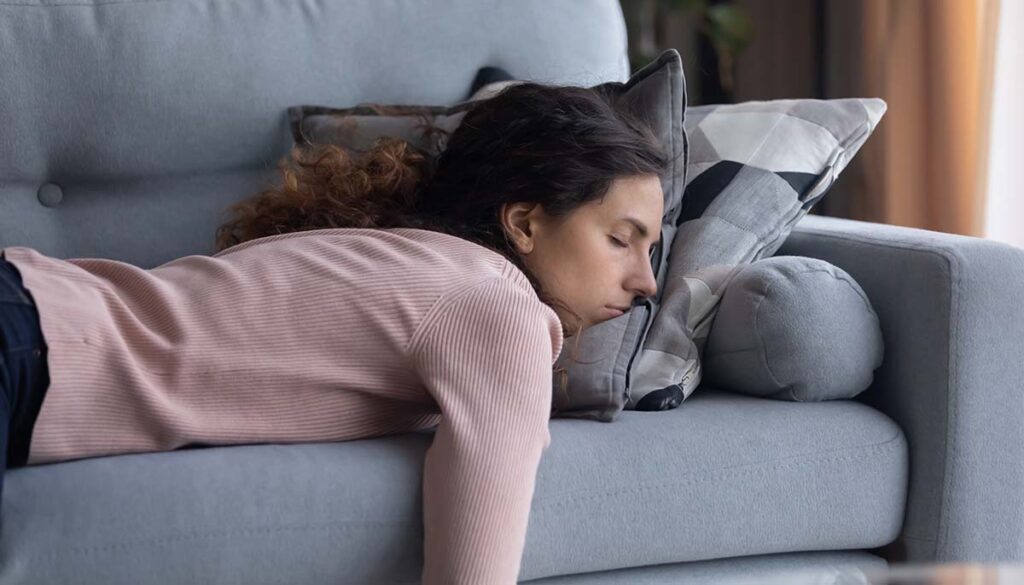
(614, 311)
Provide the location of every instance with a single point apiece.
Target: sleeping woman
(368, 294)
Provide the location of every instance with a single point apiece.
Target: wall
(1004, 205)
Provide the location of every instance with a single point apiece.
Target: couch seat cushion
(723, 475)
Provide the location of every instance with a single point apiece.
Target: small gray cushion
(793, 328)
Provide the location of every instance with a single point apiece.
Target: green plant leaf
(730, 27)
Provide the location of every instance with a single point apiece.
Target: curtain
(932, 62)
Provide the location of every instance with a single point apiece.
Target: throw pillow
(754, 169)
(793, 328)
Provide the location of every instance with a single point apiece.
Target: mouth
(616, 311)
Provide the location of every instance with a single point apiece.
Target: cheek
(594, 271)
(583, 271)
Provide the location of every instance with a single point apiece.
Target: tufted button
(50, 194)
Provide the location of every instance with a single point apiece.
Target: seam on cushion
(760, 339)
(636, 351)
(676, 137)
(763, 140)
(774, 232)
(722, 219)
(755, 469)
(954, 331)
(197, 534)
(849, 281)
(844, 279)
(863, 110)
(633, 354)
(718, 353)
(859, 291)
(953, 269)
(836, 234)
(813, 123)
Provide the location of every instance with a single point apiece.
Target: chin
(567, 331)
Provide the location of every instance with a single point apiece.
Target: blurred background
(944, 155)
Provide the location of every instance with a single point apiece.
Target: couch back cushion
(126, 127)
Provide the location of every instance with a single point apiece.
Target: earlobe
(523, 242)
(516, 220)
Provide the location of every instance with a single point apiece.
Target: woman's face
(595, 258)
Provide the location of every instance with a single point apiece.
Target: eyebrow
(639, 226)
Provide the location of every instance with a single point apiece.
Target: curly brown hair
(559, 146)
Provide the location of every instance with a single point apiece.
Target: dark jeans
(24, 376)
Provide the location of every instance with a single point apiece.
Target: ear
(520, 221)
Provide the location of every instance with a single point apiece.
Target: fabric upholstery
(811, 568)
(948, 306)
(128, 126)
(794, 328)
(727, 476)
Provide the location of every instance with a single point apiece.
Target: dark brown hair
(559, 146)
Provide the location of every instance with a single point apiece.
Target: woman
(365, 296)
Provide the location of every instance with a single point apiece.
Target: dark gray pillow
(793, 328)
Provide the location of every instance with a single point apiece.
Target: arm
(952, 377)
(485, 356)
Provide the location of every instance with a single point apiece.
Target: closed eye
(618, 242)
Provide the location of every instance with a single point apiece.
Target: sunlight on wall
(1004, 207)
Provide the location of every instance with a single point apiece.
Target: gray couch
(126, 126)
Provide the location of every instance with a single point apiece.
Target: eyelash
(618, 242)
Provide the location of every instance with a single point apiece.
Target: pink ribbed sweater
(324, 335)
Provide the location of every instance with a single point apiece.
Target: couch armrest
(953, 377)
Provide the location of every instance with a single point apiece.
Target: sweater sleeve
(486, 357)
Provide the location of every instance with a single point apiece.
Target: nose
(647, 284)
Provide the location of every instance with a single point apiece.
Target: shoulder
(497, 312)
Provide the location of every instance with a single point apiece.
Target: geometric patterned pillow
(806, 142)
(754, 170)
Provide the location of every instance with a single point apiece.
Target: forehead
(640, 198)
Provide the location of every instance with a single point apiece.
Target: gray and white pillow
(754, 170)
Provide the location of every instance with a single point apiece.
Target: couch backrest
(126, 127)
